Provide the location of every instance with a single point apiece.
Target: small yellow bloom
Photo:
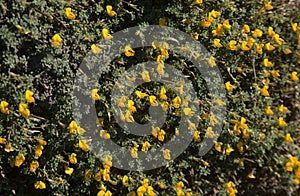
(217, 43)
(160, 69)
(125, 180)
(161, 135)
(215, 14)
(110, 11)
(39, 185)
(4, 107)
(19, 160)
(167, 154)
(188, 112)
(69, 14)
(95, 49)
(295, 27)
(226, 24)
(287, 51)
(288, 138)
(197, 137)
(205, 23)
(162, 186)
(294, 76)
(269, 111)
(264, 91)
(141, 95)
(250, 42)
(259, 48)
(141, 190)
(39, 150)
(29, 96)
(240, 147)
(281, 122)
(229, 86)
(218, 146)
(23, 108)
(153, 101)
(275, 73)
(251, 175)
(232, 45)
(267, 63)
(134, 152)
(218, 31)
(244, 46)
(257, 33)
(146, 146)
(130, 106)
(82, 144)
(198, 2)
(106, 35)
(278, 40)
(56, 40)
(162, 22)
(210, 133)
(145, 76)
(296, 181)
(2, 140)
(268, 6)
(228, 150)
(162, 93)
(246, 28)
(69, 170)
(104, 134)
(179, 186)
(176, 102)
(95, 95)
(88, 175)
(72, 158)
(73, 127)
(241, 162)
(165, 106)
(128, 117)
(129, 51)
(122, 101)
(269, 47)
(282, 108)
(34, 165)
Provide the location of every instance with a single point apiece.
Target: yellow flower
(257, 33)
(134, 152)
(215, 14)
(287, 51)
(198, 2)
(69, 170)
(39, 150)
(232, 45)
(197, 137)
(167, 154)
(72, 158)
(205, 23)
(294, 76)
(165, 106)
(250, 42)
(281, 122)
(210, 133)
(95, 49)
(122, 101)
(241, 162)
(296, 181)
(141, 190)
(176, 102)
(230, 188)
(109, 10)
(39, 185)
(161, 135)
(188, 111)
(97, 177)
(228, 150)
(2, 140)
(4, 107)
(179, 186)
(69, 14)
(146, 146)
(240, 147)
(153, 101)
(217, 43)
(268, 6)
(95, 95)
(130, 106)
(282, 108)
(162, 186)
(29, 96)
(244, 46)
(128, 116)
(295, 27)
(246, 28)
(250, 175)
(226, 24)
(264, 91)
(104, 134)
(162, 22)
(278, 40)
(271, 32)
(82, 144)
(24, 110)
(218, 146)
(34, 165)
(105, 174)
(229, 86)
(162, 93)
(267, 63)
(269, 47)
(218, 31)
(160, 69)
(19, 160)
(288, 138)
(269, 111)
(275, 73)
(145, 76)
(73, 127)
(259, 48)
(129, 51)
(88, 175)
(56, 40)
(140, 94)
(106, 35)
(125, 180)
